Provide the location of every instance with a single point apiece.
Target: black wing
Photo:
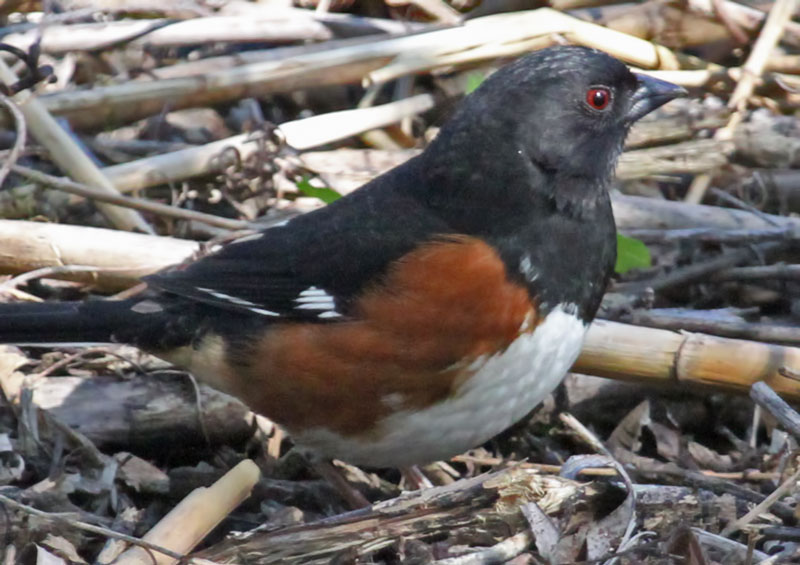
(312, 267)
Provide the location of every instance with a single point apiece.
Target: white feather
(314, 298)
(251, 306)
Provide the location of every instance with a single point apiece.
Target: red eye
(598, 98)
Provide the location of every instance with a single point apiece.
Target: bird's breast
(495, 392)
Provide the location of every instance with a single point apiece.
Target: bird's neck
(473, 188)
(541, 221)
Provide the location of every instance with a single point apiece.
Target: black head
(572, 104)
(564, 110)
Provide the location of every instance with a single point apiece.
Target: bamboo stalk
(119, 257)
(196, 515)
(690, 156)
(633, 353)
(520, 29)
(749, 18)
(299, 134)
(487, 37)
(252, 23)
(779, 16)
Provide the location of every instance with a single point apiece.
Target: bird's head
(564, 110)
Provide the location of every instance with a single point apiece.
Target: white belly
(504, 388)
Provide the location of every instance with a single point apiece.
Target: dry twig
(20, 138)
(778, 17)
(786, 487)
(71, 522)
(128, 201)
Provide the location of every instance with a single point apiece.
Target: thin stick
(79, 189)
(440, 10)
(763, 395)
(21, 137)
(79, 525)
(757, 331)
(14, 282)
(712, 235)
(787, 486)
(739, 203)
(598, 446)
(752, 475)
(697, 271)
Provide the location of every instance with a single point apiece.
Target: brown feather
(408, 345)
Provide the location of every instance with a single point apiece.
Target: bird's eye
(598, 98)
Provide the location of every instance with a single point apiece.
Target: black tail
(64, 322)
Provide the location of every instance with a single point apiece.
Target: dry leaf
(62, 548)
(44, 557)
(135, 472)
(628, 432)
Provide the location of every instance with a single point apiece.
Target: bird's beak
(651, 94)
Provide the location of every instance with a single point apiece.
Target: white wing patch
(329, 314)
(314, 298)
(527, 269)
(245, 238)
(237, 301)
(147, 307)
(263, 312)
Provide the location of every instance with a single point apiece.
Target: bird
(425, 312)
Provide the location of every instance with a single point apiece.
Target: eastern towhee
(427, 311)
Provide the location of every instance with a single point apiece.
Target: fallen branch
(495, 502)
(299, 134)
(279, 26)
(136, 413)
(694, 321)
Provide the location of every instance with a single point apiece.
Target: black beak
(651, 94)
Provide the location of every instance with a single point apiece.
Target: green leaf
(474, 80)
(631, 254)
(327, 195)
